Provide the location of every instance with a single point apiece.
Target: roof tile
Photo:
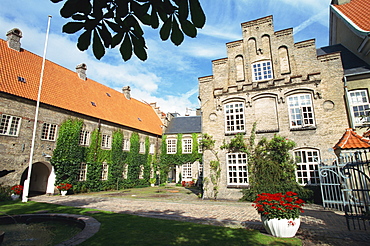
(357, 11)
(351, 140)
(64, 89)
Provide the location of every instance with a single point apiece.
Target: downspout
(346, 98)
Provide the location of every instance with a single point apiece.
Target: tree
(109, 23)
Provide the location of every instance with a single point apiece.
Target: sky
(170, 75)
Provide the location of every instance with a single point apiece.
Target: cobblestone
(318, 226)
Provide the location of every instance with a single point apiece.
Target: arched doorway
(42, 178)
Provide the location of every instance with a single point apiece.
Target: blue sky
(170, 75)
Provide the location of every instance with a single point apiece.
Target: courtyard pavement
(319, 226)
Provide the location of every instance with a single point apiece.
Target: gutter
(346, 98)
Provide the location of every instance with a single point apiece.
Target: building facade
(286, 88)
(65, 95)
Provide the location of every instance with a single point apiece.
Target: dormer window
(21, 79)
(262, 71)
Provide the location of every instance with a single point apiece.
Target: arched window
(234, 117)
(301, 110)
(262, 70)
(284, 60)
(239, 65)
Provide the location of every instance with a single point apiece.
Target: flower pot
(63, 192)
(281, 227)
(14, 196)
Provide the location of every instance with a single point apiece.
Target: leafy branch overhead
(111, 23)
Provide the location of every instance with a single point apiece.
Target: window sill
(237, 186)
(233, 133)
(303, 128)
(267, 131)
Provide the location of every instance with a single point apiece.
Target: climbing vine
(68, 156)
(177, 159)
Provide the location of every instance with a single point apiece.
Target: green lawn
(124, 229)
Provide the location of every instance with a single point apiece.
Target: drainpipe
(346, 98)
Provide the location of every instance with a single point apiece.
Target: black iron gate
(345, 185)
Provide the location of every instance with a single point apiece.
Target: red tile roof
(64, 89)
(351, 140)
(358, 11)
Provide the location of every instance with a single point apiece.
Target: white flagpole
(28, 180)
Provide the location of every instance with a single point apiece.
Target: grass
(124, 229)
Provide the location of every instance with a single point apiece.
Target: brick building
(290, 89)
(65, 95)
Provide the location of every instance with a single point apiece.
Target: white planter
(63, 192)
(14, 197)
(282, 227)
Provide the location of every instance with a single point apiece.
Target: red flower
(64, 186)
(17, 189)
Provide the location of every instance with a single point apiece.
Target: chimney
(14, 39)
(81, 71)
(126, 91)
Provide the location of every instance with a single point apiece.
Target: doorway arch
(42, 178)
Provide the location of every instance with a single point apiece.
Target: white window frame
(301, 112)
(104, 172)
(142, 147)
(200, 170)
(171, 146)
(187, 145)
(84, 138)
(360, 107)
(106, 141)
(234, 117)
(262, 70)
(48, 131)
(126, 144)
(10, 125)
(83, 172)
(237, 169)
(187, 171)
(200, 145)
(307, 161)
(151, 149)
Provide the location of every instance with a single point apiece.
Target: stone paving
(318, 226)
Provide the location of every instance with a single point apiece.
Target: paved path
(318, 226)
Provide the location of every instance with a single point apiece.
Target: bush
(5, 193)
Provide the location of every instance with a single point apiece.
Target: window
(307, 166)
(234, 117)
(84, 138)
(126, 144)
(83, 172)
(9, 125)
(105, 141)
(359, 101)
(186, 171)
(171, 146)
(200, 145)
(187, 146)
(262, 71)
(151, 149)
(237, 169)
(104, 172)
(200, 170)
(142, 147)
(48, 132)
(301, 111)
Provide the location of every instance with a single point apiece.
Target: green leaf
(176, 35)
(188, 28)
(72, 27)
(84, 40)
(166, 29)
(139, 47)
(154, 19)
(79, 17)
(113, 26)
(105, 35)
(117, 39)
(69, 8)
(183, 9)
(126, 48)
(98, 48)
(197, 14)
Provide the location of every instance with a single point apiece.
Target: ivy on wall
(68, 155)
(178, 159)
